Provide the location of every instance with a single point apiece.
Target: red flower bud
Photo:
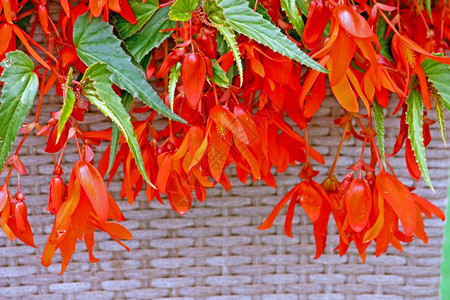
(310, 199)
(56, 195)
(21, 216)
(358, 202)
(193, 74)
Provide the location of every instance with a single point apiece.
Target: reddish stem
(338, 152)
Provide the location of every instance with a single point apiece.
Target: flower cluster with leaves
(229, 75)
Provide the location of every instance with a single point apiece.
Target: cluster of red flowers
(370, 51)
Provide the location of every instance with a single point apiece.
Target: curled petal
(352, 22)
(92, 183)
(399, 198)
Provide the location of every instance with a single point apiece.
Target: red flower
(316, 203)
(87, 206)
(358, 202)
(14, 217)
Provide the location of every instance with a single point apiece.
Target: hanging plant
(230, 73)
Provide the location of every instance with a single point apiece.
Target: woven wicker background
(215, 251)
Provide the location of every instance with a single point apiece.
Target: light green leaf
(181, 10)
(127, 99)
(142, 11)
(414, 119)
(69, 101)
(18, 93)
(439, 75)
(440, 116)
(97, 88)
(379, 122)
(303, 5)
(428, 6)
(290, 7)
(95, 42)
(219, 76)
(217, 17)
(245, 21)
(150, 37)
(173, 79)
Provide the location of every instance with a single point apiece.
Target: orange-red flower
(87, 206)
(358, 203)
(316, 204)
(14, 217)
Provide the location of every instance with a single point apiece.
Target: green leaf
(69, 101)
(245, 21)
(18, 93)
(173, 79)
(95, 42)
(303, 5)
(379, 122)
(414, 119)
(385, 44)
(220, 76)
(428, 6)
(181, 10)
(439, 75)
(127, 99)
(97, 88)
(290, 7)
(222, 46)
(440, 116)
(142, 11)
(150, 37)
(217, 17)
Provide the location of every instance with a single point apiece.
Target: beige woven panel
(215, 251)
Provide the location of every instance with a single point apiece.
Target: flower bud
(358, 202)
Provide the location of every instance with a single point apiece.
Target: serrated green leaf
(414, 119)
(18, 93)
(440, 116)
(245, 21)
(150, 37)
(181, 10)
(219, 76)
(142, 11)
(216, 15)
(97, 88)
(126, 100)
(439, 75)
(379, 122)
(95, 42)
(385, 44)
(173, 79)
(303, 5)
(69, 101)
(290, 7)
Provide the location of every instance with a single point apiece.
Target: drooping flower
(86, 206)
(315, 202)
(14, 217)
